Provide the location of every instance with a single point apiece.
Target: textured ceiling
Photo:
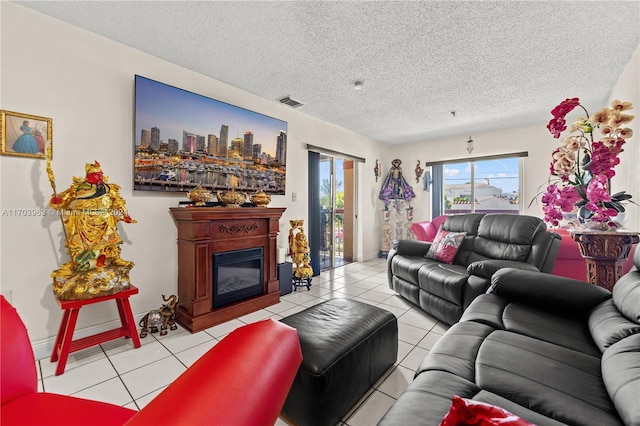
(496, 63)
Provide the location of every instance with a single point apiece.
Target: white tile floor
(115, 372)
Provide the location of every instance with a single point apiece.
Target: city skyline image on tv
(183, 140)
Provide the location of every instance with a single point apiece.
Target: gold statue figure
(299, 251)
(90, 210)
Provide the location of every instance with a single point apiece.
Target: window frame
(438, 180)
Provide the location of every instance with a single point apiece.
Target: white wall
(628, 173)
(85, 83)
(534, 139)
(540, 144)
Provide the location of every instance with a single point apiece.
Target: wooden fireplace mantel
(204, 231)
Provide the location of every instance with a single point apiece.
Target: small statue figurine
(395, 186)
(165, 317)
(90, 210)
(376, 170)
(386, 239)
(419, 171)
(299, 251)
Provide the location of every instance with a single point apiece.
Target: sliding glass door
(336, 248)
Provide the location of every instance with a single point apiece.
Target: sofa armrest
(427, 230)
(486, 268)
(424, 231)
(411, 247)
(243, 379)
(548, 292)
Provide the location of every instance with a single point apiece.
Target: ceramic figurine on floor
(165, 318)
(299, 252)
(150, 323)
(399, 219)
(410, 234)
(90, 210)
(386, 239)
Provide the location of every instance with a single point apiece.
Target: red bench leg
(59, 337)
(126, 318)
(67, 327)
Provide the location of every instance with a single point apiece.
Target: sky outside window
(502, 173)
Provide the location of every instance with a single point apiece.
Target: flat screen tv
(183, 140)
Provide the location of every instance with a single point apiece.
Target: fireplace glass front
(237, 275)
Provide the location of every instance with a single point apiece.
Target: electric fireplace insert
(237, 275)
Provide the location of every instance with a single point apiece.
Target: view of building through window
(488, 186)
(332, 194)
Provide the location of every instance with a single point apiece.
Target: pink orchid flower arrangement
(581, 168)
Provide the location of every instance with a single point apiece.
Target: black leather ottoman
(346, 346)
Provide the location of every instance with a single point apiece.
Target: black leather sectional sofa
(551, 350)
(492, 241)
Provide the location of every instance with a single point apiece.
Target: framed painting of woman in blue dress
(24, 135)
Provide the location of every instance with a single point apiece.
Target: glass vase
(585, 217)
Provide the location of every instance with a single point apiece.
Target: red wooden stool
(64, 342)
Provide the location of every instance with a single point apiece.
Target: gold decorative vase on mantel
(260, 199)
(231, 198)
(199, 195)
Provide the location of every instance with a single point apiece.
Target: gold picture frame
(24, 135)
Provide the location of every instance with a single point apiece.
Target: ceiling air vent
(291, 102)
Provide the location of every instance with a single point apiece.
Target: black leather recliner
(492, 242)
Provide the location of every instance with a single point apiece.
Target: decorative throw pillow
(445, 246)
(466, 412)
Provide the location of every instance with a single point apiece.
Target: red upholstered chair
(426, 231)
(242, 380)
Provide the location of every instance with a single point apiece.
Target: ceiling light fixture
(470, 145)
(358, 85)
